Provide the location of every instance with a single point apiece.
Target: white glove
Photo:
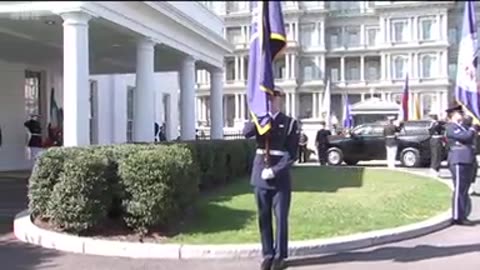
(267, 174)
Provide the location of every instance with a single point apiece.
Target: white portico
(69, 45)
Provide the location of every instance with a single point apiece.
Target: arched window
(427, 65)
(399, 67)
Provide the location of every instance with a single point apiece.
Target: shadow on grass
(213, 218)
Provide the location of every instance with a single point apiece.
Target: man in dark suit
(302, 148)
(436, 130)
(321, 142)
(271, 181)
(461, 158)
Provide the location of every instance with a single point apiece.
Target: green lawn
(329, 201)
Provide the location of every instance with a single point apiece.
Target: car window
(369, 131)
(362, 130)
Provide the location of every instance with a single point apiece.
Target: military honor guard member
(321, 142)
(436, 130)
(390, 132)
(461, 158)
(272, 183)
(34, 131)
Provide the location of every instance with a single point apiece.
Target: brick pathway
(453, 248)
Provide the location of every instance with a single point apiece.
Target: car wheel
(411, 158)
(351, 162)
(334, 156)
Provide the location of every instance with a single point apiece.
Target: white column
(75, 79)
(322, 33)
(388, 62)
(216, 104)
(187, 99)
(415, 66)
(242, 69)
(314, 105)
(320, 105)
(342, 69)
(143, 97)
(236, 70)
(293, 65)
(362, 35)
(415, 27)
(287, 104)
(362, 68)
(287, 66)
(242, 106)
(296, 32)
(383, 66)
(387, 32)
(237, 106)
(383, 32)
(293, 102)
(362, 97)
(444, 27)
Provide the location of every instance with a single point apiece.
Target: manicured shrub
(154, 181)
(145, 185)
(80, 199)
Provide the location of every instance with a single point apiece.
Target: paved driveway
(452, 248)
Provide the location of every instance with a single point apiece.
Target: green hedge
(142, 185)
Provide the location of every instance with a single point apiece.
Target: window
(352, 70)
(426, 28)
(288, 32)
(230, 70)
(334, 74)
(427, 66)
(352, 36)
(238, 6)
(309, 69)
(399, 67)
(279, 69)
(130, 112)
(399, 30)
(372, 36)
(452, 36)
(334, 37)
(305, 111)
(311, 4)
(307, 32)
(32, 92)
(373, 70)
(234, 35)
(452, 71)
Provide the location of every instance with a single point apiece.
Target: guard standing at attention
(390, 132)
(272, 184)
(468, 123)
(461, 157)
(436, 131)
(321, 142)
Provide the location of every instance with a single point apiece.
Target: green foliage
(145, 185)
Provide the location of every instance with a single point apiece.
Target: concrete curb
(26, 231)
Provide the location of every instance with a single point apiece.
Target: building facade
(101, 62)
(364, 48)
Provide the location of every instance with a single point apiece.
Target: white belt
(392, 136)
(35, 134)
(271, 152)
(437, 136)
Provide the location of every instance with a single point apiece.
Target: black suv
(366, 142)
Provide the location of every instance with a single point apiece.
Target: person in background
(321, 142)
(162, 133)
(390, 132)
(461, 158)
(156, 131)
(34, 131)
(436, 131)
(302, 148)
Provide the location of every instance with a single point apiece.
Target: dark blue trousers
(462, 178)
(278, 201)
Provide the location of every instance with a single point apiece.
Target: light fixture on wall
(116, 45)
(50, 22)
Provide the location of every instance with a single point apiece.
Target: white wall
(112, 105)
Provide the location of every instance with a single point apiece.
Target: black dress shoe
(266, 264)
(464, 222)
(279, 264)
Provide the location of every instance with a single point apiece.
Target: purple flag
(466, 90)
(267, 41)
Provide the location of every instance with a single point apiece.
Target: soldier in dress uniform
(390, 132)
(271, 182)
(468, 122)
(461, 157)
(436, 130)
(321, 142)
